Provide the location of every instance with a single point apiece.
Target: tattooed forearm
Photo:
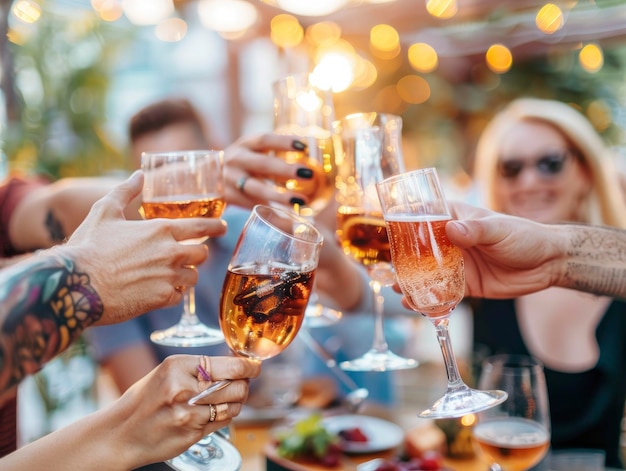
(597, 261)
(54, 227)
(45, 306)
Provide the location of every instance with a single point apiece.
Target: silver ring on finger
(241, 183)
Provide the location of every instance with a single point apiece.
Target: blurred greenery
(62, 67)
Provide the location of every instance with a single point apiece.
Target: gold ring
(180, 289)
(213, 413)
(241, 182)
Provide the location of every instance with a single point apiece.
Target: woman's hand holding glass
(430, 273)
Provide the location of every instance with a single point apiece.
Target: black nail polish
(298, 201)
(298, 145)
(304, 172)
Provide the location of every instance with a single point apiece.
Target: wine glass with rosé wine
(514, 435)
(184, 184)
(267, 285)
(431, 275)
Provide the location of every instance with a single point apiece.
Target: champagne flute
(184, 184)
(361, 227)
(430, 273)
(304, 110)
(514, 435)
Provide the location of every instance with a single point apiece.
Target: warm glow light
(442, 8)
(591, 58)
(27, 11)
(147, 12)
(171, 30)
(109, 10)
(365, 74)
(549, 19)
(310, 7)
(499, 59)
(384, 38)
(323, 32)
(335, 70)
(423, 57)
(468, 420)
(413, 89)
(599, 113)
(227, 16)
(286, 31)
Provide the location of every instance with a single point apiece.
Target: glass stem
(189, 307)
(380, 344)
(443, 337)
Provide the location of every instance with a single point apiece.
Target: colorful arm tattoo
(45, 305)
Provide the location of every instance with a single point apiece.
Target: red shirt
(11, 193)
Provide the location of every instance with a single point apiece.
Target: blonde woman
(543, 160)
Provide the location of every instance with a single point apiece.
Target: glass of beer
(514, 435)
(430, 272)
(184, 184)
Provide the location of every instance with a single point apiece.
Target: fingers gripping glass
(548, 165)
(181, 185)
(430, 272)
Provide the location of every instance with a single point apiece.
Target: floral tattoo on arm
(46, 304)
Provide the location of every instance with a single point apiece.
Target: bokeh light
(591, 58)
(442, 8)
(423, 57)
(286, 31)
(499, 58)
(413, 89)
(27, 11)
(549, 18)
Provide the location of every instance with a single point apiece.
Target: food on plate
(424, 438)
(431, 461)
(353, 434)
(309, 441)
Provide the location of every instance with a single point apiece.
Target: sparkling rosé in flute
(261, 314)
(429, 268)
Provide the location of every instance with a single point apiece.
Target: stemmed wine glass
(430, 273)
(266, 289)
(184, 184)
(304, 110)
(514, 435)
(361, 227)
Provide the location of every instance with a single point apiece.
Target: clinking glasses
(548, 165)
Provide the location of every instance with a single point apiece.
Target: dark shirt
(586, 408)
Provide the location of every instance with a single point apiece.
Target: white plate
(381, 434)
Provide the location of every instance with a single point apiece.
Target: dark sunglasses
(547, 165)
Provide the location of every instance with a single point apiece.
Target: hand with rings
(155, 410)
(251, 166)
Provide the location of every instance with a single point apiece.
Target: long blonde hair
(605, 203)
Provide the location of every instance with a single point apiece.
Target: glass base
(212, 453)
(461, 401)
(318, 315)
(379, 361)
(194, 335)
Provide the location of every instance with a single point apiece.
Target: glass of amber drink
(430, 272)
(514, 435)
(184, 184)
(269, 282)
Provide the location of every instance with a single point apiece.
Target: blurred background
(72, 72)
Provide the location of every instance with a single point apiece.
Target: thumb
(467, 233)
(128, 190)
